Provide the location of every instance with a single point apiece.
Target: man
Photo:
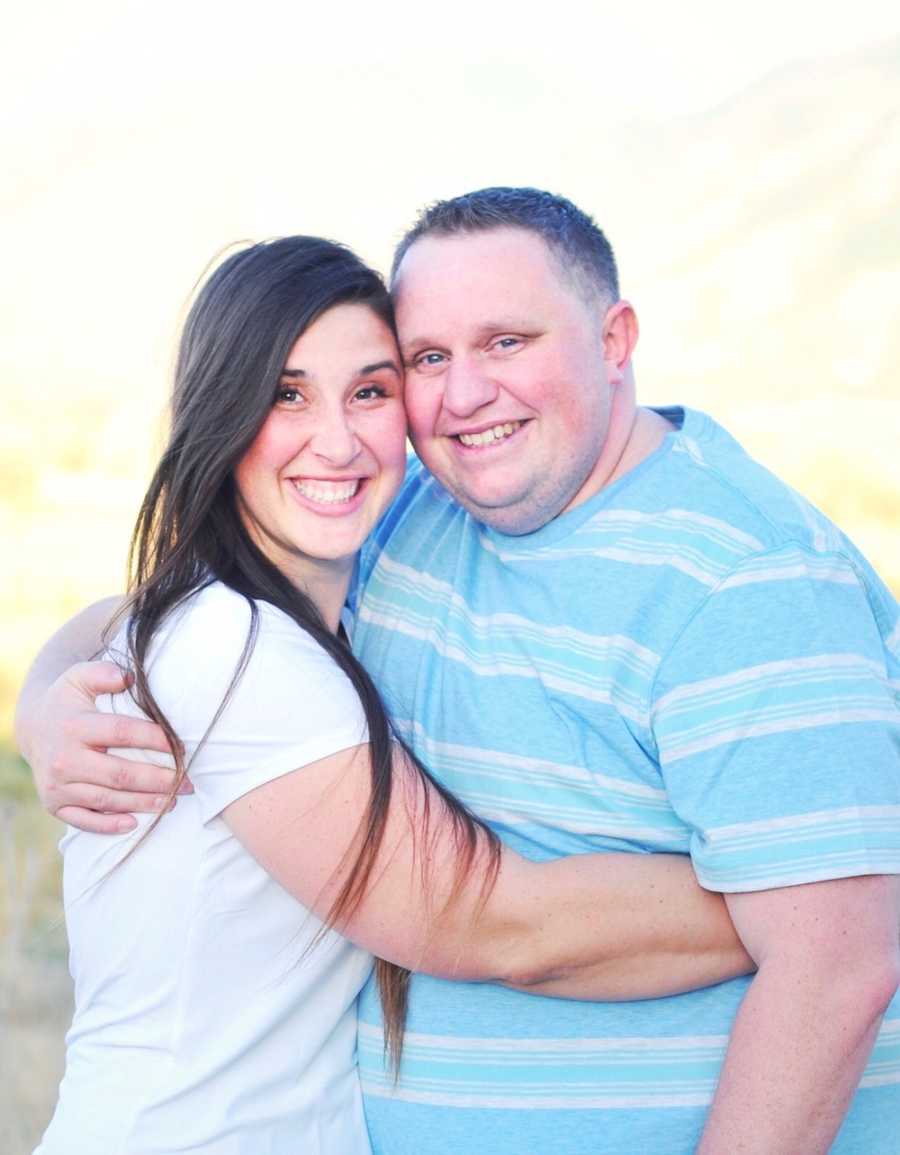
(606, 627)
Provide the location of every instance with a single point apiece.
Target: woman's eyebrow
(376, 365)
(363, 372)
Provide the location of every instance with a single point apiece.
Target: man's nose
(335, 439)
(467, 388)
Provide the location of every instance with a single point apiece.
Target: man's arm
(64, 739)
(776, 723)
(829, 965)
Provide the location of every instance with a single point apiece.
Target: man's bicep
(830, 919)
(77, 640)
(778, 729)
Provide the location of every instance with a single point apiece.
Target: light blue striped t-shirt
(694, 660)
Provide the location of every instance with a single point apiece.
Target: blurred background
(744, 160)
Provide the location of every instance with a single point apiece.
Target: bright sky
(139, 137)
(143, 136)
(644, 58)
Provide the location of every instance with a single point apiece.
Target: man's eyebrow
(505, 325)
(484, 329)
(415, 343)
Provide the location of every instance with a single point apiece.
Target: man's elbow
(874, 960)
(879, 981)
(862, 983)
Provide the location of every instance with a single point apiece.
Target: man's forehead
(464, 250)
(498, 279)
(461, 269)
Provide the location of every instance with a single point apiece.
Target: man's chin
(503, 513)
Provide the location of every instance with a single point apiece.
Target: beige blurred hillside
(762, 249)
(760, 243)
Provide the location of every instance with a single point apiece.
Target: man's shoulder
(707, 507)
(775, 534)
(716, 477)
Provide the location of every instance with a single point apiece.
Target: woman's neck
(326, 585)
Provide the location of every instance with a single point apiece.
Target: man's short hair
(575, 241)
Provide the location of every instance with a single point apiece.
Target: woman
(215, 998)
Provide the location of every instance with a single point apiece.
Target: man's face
(507, 391)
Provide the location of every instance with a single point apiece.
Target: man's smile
(488, 436)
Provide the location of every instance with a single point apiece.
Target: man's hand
(66, 742)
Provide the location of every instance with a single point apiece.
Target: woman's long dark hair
(237, 337)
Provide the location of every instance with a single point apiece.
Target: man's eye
(428, 360)
(507, 342)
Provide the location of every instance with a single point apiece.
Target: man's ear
(620, 334)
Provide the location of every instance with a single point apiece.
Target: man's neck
(633, 434)
(648, 431)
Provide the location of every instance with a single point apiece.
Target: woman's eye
(288, 395)
(370, 392)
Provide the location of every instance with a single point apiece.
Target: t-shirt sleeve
(291, 706)
(777, 726)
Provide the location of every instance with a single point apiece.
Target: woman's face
(331, 454)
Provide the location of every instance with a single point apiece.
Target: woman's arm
(607, 926)
(656, 930)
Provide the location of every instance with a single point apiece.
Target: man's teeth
(327, 492)
(490, 435)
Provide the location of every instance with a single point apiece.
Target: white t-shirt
(200, 1022)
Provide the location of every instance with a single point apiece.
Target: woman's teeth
(327, 492)
(490, 435)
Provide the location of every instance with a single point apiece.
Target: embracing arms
(580, 927)
(601, 926)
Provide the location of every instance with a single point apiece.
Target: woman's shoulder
(274, 697)
(219, 619)
(217, 630)
(208, 650)
(213, 622)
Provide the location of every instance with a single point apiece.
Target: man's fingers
(93, 678)
(140, 778)
(110, 772)
(96, 823)
(116, 731)
(102, 800)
